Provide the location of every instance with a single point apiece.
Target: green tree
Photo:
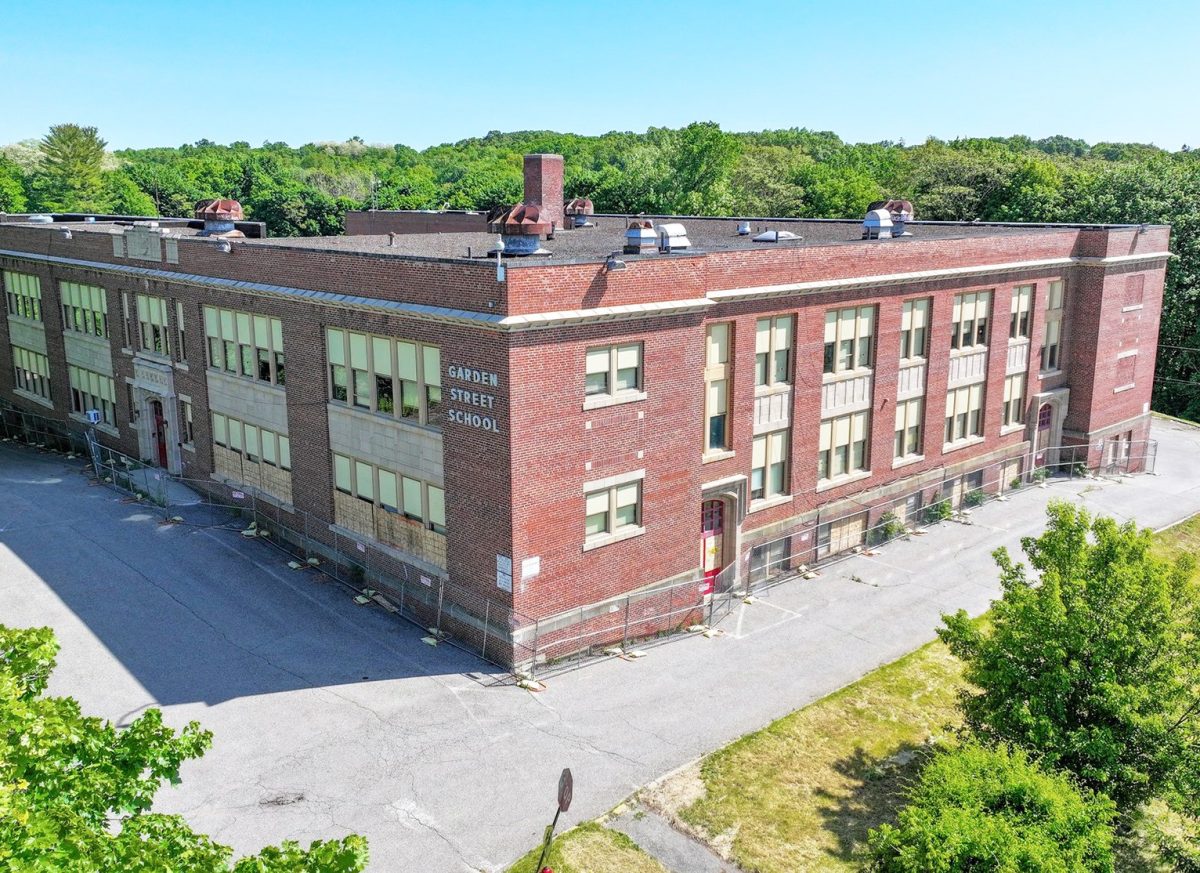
(71, 175)
(1094, 666)
(12, 187)
(75, 791)
(122, 196)
(981, 809)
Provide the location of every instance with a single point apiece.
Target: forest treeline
(695, 170)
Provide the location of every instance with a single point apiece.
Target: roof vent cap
(640, 236)
(877, 225)
(40, 219)
(672, 236)
(578, 210)
(900, 212)
(743, 228)
(776, 236)
(219, 217)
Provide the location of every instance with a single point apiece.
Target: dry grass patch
(591, 848)
(802, 793)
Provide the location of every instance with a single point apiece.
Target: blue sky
(169, 72)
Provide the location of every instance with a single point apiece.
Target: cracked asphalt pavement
(331, 718)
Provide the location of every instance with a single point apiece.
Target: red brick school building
(607, 405)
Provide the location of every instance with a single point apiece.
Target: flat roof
(590, 244)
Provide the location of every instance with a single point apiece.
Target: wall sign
(504, 573)
(466, 401)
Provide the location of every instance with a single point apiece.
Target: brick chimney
(544, 186)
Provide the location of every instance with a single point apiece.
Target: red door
(712, 540)
(160, 432)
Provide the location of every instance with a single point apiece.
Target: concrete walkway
(331, 718)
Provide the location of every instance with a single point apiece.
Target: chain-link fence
(450, 613)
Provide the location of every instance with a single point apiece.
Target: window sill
(614, 537)
(188, 447)
(156, 357)
(1050, 374)
(601, 401)
(914, 361)
(32, 322)
(769, 502)
(1134, 308)
(125, 350)
(771, 390)
(106, 428)
(1121, 388)
(238, 376)
(827, 378)
(967, 350)
(905, 461)
(828, 484)
(182, 365)
(714, 456)
(947, 448)
(1007, 429)
(36, 398)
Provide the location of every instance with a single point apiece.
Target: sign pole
(565, 790)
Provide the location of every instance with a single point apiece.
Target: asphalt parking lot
(330, 717)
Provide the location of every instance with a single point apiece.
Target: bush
(1038, 476)
(887, 528)
(1015, 483)
(1079, 469)
(1092, 667)
(974, 498)
(939, 511)
(993, 809)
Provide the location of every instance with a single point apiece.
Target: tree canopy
(76, 791)
(698, 169)
(1094, 666)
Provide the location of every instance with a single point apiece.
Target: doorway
(712, 542)
(160, 431)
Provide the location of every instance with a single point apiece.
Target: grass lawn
(591, 848)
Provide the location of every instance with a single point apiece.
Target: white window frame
(23, 291)
(910, 416)
(836, 446)
(610, 362)
(718, 386)
(971, 321)
(849, 340)
(92, 390)
(1020, 322)
(405, 363)
(964, 414)
(914, 329)
(774, 339)
(771, 453)
(84, 308)
(31, 372)
(613, 493)
(1015, 401)
(246, 337)
(1052, 338)
(152, 315)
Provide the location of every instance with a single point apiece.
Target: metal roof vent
(900, 211)
(521, 229)
(776, 236)
(743, 228)
(877, 224)
(577, 212)
(40, 219)
(640, 236)
(672, 236)
(219, 217)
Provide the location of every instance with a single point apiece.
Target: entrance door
(160, 431)
(712, 542)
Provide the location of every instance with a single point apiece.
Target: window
(1014, 400)
(843, 445)
(84, 308)
(773, 350)
(1054, 310)
(257, 443)
(24, 294)
(1126, 366)
(180, 330)
(125, 318)
(613, 510)
(964, 413)
(848, 335)
(1018, 325)
(185, 415)
(152, 325)
(910, 426)
(716, 387)
(394, 377)
(31, 372)
(769, 466)
(417, 501)
(613, 370)
(970, 319)
(246, 345)
(92, 391)
(914, 329)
